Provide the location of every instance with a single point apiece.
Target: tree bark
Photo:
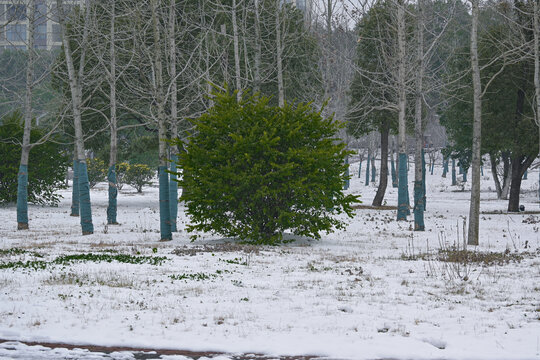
(22, 178)
(75, 206)
(373, 167)
(367, 166)
(507, 175)
(173, 184)
(258, 50)
(236, 54)
(164, 207)
(536, 51)
(383, 178)
(418, 126)
(519, 165)
(279, 55)
(493, 160)
(454, 178)
(111, 174)
(75, 85)
(474, 210)
(403, 206)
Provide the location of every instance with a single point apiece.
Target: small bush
(254, 171)
(97, 171)
(46, 169)
(138, 175)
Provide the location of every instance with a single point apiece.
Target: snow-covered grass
(375, 290)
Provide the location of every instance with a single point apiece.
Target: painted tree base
(22, 226)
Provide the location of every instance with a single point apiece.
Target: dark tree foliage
(254, 171)
(46, 169)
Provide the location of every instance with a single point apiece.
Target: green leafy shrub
(97, 171)
(138, 175)
(121, 171)
(254, 171)
(46, 169)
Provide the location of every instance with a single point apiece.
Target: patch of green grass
(485, 258)
(196, 276)
(66, 260)
(236, 261)
(18, 251)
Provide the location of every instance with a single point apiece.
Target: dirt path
(139, 353)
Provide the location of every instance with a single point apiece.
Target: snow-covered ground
(351, 294)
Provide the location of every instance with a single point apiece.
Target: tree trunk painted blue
(465, 175)
(173, 193)
(482, 170)
(454, 180)
(403, 201)
(408, 199)
(367, 168)
(373, 171)
(418, 206)
(393, 172)
(460, 170)
(84, 197)
(164, 207)
(539, 188)
(432, 167)
(22, 198)
(113, 194)
(75, 191)
(525, 175)
(423, 185)
(347, 174)
(360, 169)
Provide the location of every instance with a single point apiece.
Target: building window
(301, 4)
(40, 38)
(16, 32)
(16, 12)
(41, 13)
(2, 12)
(2, 34)
(56, 33)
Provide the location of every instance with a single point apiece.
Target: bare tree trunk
(22, 177)
(507, 176)
(76, 100)
(383, 178)
(418, 127)
(519, 165)
(164, 207)
(173, 185)
(237, 75)
(111, 174)
(536, 46)
(75, 203)
(494, 173)
(258, 50)
(403, 203)
(474, 211)
(279, 55)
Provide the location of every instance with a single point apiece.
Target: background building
(14, 24)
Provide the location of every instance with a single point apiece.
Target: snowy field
(377, 290)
